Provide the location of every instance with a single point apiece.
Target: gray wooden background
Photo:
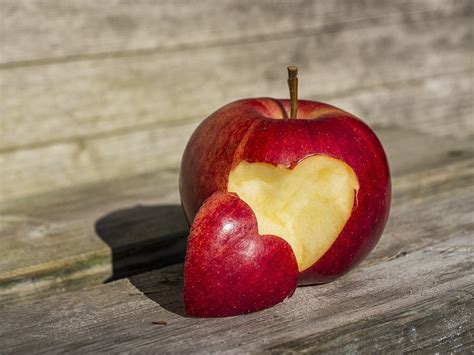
(94, 90)
(98, 99)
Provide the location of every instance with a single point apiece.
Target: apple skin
(259, 130)
(230, 269)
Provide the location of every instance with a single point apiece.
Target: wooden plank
(84, 236)
(441, 324)
(150, 147)
(99, 118)
(112, 95)
(383, 306)
(441, 105)
(66, 30)
(38, 170)
(78, 237)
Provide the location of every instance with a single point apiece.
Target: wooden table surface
(98, 101)
(414, 292)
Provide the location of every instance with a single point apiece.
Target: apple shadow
(146, 238)
(164, 286)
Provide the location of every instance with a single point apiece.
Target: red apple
(230, 269)
(313, 175)
(320, 181)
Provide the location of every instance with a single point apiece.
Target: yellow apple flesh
(307, 206)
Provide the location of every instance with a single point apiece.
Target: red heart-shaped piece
(230, 269)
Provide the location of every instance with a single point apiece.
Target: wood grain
(440, 324)
(98, 96)
(393, 298)
(79, 237)
(83, 236)
(144, 149)
(69, 31)
(98, 101)
(71, 120)
(46, 169)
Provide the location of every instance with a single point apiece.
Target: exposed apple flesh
(243, 144)
(307, 206)
(230, 269)
(279, 193)
(258, 131)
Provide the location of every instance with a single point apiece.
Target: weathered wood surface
(89, 28)
(414, 293)
(80, 237)
(117, 93)
(98, 100)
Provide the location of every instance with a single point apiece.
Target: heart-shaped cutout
(230, 269)
(308, 205)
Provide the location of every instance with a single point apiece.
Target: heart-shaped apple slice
(308, 205)
(230, 269)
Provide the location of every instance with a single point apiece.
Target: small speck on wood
(159, 322)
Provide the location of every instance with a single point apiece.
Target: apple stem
(293, 86)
